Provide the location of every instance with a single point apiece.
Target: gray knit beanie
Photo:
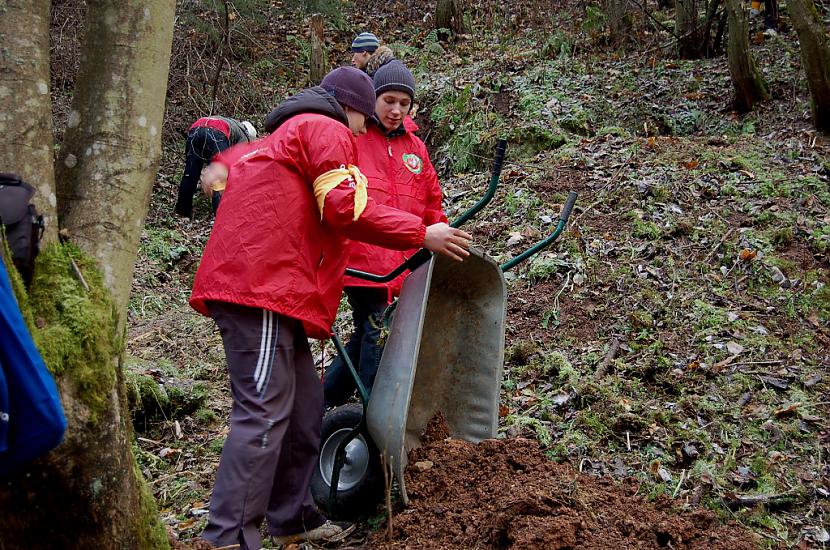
(351, 87)
(394, 76)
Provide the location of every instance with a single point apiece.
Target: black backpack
(22, 223)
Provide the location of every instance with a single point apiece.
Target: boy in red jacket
(400, 174)
(271, 275)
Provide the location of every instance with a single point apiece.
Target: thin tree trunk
(815, 56)
(111, 149)
(317, 65)
(26, 117)
(619, 20)
(771, 16)
(750, 86)
(687, 25)
(449, 14)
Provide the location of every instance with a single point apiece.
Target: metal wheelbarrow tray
(444, 353)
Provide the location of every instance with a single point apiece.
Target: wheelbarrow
(444, 353)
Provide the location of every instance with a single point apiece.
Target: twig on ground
(603, 368)
(720, 243)
(679, 483)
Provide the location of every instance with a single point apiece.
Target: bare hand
(212, 173)
(446, 240)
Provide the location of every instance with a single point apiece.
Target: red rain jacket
(400, 175)
(269, 248)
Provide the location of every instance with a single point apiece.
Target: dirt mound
(507, 494)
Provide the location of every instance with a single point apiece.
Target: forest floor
(666, 370)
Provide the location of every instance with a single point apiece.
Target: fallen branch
(612, 352)
(783, 500)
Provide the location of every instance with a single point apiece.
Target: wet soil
(505, 493)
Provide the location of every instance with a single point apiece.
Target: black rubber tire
(361, 482)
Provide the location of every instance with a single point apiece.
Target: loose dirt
(504, 493)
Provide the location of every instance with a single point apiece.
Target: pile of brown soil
(507, 494)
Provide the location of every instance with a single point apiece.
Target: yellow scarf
(331, 179)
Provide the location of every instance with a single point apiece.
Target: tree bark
(449, 14)
(687, 26)
(88, 492)
(750, 86)
(111, 149)
(26, 117)
(815, 56)
(619, 20)
(317, 65)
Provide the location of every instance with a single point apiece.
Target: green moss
(205, 416)
(539, 428)
(151, 533)
(145, 395)
(646, 230)
(75, 328)
(527, 141)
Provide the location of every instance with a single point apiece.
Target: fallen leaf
(515, 238)
(747, 255)
(720, 364)
(560, 399)
(186, 524)
(734, 348)
(654, 466)
(788, 410)
(691, 164)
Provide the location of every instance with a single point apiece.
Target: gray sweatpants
(272, 448)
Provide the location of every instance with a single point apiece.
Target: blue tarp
(34, 421)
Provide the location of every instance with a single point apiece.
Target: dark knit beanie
(351, 87)
(365, 42)
(394, 76)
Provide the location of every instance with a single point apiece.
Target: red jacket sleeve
(232, 154)
(378, 224)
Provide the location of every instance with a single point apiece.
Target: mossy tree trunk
(26, 117)
(750, 86)
(449, 14)
(815, 55)
(88, 492)
(687, 26)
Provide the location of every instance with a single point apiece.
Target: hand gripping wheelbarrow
(444, 353)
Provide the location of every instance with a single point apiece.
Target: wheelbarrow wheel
(360, 487)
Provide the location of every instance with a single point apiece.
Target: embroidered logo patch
(413, 163)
